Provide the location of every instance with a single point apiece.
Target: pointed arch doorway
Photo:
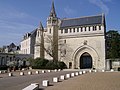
(85, 61)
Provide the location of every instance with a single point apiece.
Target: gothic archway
(92, 53)
(85, 61)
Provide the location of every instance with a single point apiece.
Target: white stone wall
(75, 41)
(25, 46)
(75, 47)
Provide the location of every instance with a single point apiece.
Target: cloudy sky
(18, 17)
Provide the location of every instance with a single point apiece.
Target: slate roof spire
(41, 26)
(52, 12)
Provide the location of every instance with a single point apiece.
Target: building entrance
(85, 61)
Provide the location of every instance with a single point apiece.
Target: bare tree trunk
(55, 44)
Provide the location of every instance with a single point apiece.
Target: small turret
(41, 27)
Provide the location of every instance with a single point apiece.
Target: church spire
(41, 26)
(52, 12)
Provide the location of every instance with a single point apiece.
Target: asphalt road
(20, 82)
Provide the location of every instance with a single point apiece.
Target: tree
(38, 63)
(112, 44)
(50, 46)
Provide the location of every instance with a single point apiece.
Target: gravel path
(90, 81)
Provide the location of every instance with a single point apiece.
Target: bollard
(37, 72)
(0, 72)
(72, 74)
(76, 73)
(84, 72)
(43, 71)
(45, 83)
(59, 69)
(29, 73)
(23, 69)
(103, 70)
(21, 73)
(55, 70)
(90, 71)
(5, 71)
(10, 74)
(95, 70)
(49, 70)
(62, 77)
(80, 73)
(67, 75)
(111, 70)
(55, 79)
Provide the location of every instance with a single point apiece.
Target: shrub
(39, 63)
(62, 65)
(55, 65)
(51, 65)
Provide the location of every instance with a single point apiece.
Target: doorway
(85, 61)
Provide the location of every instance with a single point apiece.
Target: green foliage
(113, 44)
(51, 65)
(55, 65)
(61, 65)
(39, 63)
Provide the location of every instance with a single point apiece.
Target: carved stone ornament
(85, 42)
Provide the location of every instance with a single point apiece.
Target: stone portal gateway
(85, 61)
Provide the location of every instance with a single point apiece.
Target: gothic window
(62, 31)
(85, 28)
(88, 28)
(81, 29)
(73, 29)
(54, 21)
(70, 30)
(50, 31)
(38, 33)
(94, 28)
(64, 41)
(49, 21)
(99, 27)
(77, 29)
(66, 30)
(65, 51)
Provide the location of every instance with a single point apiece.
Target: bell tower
(52, 20)
(52, 29)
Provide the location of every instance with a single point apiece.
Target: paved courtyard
(18, 82)
(90, 81)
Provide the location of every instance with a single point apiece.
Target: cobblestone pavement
(90, 81)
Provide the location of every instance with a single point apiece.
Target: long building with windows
(81, 41)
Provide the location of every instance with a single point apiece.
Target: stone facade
(6, 58)
(81, 41)
(28, 43)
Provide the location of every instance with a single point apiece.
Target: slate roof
(81, 21)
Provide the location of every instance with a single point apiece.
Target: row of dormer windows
(81, 29)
